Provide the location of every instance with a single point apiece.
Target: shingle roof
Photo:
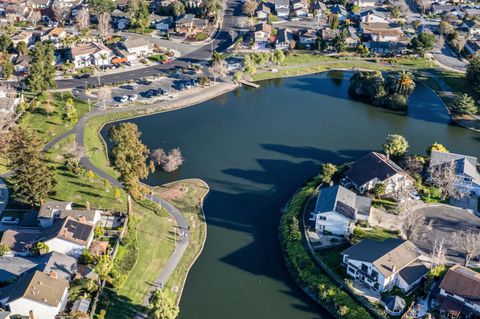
(39, 287)
(371, 166)
(75, 231)
(12, 267)
(47, 209)
(388, 256)
(413, 272)
(464, 164)
(343, 201)
(64, 266)
(462, 282)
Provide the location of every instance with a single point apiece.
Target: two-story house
(73, 237)
(90, 53)
(467, 176)
(337, 209)
(261, 35)
(282, 8)
(53, 210)
(459, 293)
(382, 32)
(374, 168)
(283, 39)
(386, 264)
(263, 11)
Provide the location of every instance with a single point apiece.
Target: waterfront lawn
(48, 126)
(81, 189)
(377, 233)
(155, 244)
(187, 197)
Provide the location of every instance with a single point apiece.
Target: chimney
(82, 219)
(30, 315)
(87, 204)
(53, 274)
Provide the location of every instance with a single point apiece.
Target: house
(387, 48)
(385, 264)
(374, 16)
(340, 11)
(327, 36)
(263, 11)
(473, 27)
(352, 40)
(283, 39)
(161, 23)
(459, 292)
(38, 293)
(365, 3)
(282, 8)
(468, 178)
(22, 36)
(300, 7)
(319, 10)
(135, 49)
(374, 168)
(54, 35)
(72, 238)
(12, 268)
(184, 23)
(471, 11)
(90, 53)
(61, 265)
(122, 4)
(381, 32)
(307, 38)
(472, 47)
(120, 19)
(22, 63)
(39, 4)
(261, 35)
(54, 210)
(337, 209)
(81, 306)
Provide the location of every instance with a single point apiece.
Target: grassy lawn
(157, 57)
(373, 234)
(186, 195)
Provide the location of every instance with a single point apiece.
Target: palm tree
(103, 56)
(405, 83)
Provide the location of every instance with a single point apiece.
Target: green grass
(157, 58)
(373, 234)
(48, 126)
(333, 259)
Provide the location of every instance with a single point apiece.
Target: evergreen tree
(42, 68)
(32, 178)
(473, 73)
(140, 18)
(6, 69)
(6, 43)
(465, 104)
(161, 306)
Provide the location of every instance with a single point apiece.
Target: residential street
(446, 56)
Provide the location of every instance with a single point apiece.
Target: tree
(169, 162)
(32, 178)
(279, 56)
(444, 177)
(177, 8)
(103, 266)
(34, 17)
(395, 12)
(86, 258)
(423, 42)
(367, 86)
(49, 107)
(104, 28)
(412, 223)
(473, 73)
(465, 104)
(4, 249)
(42, 69)
(327, 172)
(83, 19)
(340, 43)
(436, 147)
(6, 43)
(468, 242)
(129, 156)
(438, 255)
(139, 15)
(218, 70)
(161, 306)
(402, 83)
(249, 8)
(363, 50)
(40, 248)
(379, 190)
(60, 11)
(70, 114)
(22, 48)
(102, 5)
(211, 7)
(334, 21)
(395, 145)
(7, 69)
(446, 28)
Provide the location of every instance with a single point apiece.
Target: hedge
(303, 269)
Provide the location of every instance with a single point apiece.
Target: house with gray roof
(54, 210)
(386, 264)
(375, 168)
(337, 209)
(468, 178)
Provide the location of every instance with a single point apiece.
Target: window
(322, 217)
(374, 274)
(364, 268)
(351, 270)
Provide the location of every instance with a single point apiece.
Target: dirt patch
(173, 192)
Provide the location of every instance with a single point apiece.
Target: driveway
(447, 57)
(445, 221)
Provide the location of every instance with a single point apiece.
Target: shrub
(86, 258)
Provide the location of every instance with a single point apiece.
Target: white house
(382, 32)
(283, 39)
(459, 292)
(373, 16)
(53, 210)
(73, 237)
(90, 53)
(38, 293)
(261, 35)
(374, 168)
(263, 11)
(282, 8)
(386, 264)
(135, 49)
(468, 178)
(337, 209)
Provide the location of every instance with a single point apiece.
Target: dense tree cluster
(392, 92)
(473, 74)
(42, 67)
(423, 42)
(140, 15)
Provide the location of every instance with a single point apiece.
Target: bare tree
(438, 255)
(444, 177)
(104, 94)
(218, 70)
(412, 224)
(34, 17)
(468, 242)
(249, 8)
(60, 11)
(8, 105)
(104, 27)
(83, 19)
(169, 162)
(158, 156)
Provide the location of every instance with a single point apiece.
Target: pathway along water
(255, 147)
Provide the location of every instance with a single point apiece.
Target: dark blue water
(255, 148)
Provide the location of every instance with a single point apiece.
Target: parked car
(414, 195)
(181, 87)
(144, 82)
(82, 76)
(163, 91)
(124, 99)
(188, 85)
(132, 97)
(9, 220)
(127, 87)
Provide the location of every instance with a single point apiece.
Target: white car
(188, 86)
(132, 97)
(9, 220)
(414, 195)
(124, 99)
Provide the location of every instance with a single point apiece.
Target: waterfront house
(459, 295)
(90, 54)
(473, 27)
(337, 209)
(283, 39)
(134, 49)
(468, 178)
(261, 35)
(37, 295)
(307, 38)
(72, 238)
(375, 168)
(383, 265)
(382, 32)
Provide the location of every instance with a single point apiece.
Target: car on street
(9, 220)
(132, 97)
(144, 82)
(82, 76)
(127, 87)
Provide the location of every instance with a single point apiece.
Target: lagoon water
(255, 147)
